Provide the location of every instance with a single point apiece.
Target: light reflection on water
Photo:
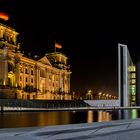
(104, 116)
(28, 119)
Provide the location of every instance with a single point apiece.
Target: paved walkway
(114, 130)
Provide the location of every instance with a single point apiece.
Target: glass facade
(126, 77)
(132, 85)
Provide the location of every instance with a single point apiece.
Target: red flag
(4, 16)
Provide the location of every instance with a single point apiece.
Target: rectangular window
(50, 77)
(131, 68)
(21, 69)
(26, 71)
(26, 79)
(32, 72)
(57, 78)
(133, 75)
(133, 81)
(20, 78)
(32, 80)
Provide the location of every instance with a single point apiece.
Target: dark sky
(88, 33)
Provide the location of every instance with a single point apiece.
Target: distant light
(100, 93)
(4, 16)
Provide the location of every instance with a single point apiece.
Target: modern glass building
(138, 83)
(132, 85)
(126, 77)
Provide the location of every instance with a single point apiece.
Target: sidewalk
(114, 130)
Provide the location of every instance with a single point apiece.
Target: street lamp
(107, 96)
(104, 96)
(99, 94)
(89, 94)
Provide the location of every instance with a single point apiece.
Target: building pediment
(44, 60)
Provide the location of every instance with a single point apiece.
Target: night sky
(89, 37)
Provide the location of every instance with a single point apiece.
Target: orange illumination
(58, 46)
(4, 83)
(4, 16)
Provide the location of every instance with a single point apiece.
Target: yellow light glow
(90, 116)
(4, 83)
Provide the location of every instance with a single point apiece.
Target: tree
(28, 89)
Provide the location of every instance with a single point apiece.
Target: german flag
(4, 16)
(58, 46)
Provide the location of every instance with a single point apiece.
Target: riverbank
(116, 130)
(24, 109)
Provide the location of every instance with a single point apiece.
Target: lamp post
(89, 95)
(104, 96)
(99, 95)
(107, 96)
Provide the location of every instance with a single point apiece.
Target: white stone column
(38, 79)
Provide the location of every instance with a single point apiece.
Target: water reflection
(101, 116)
(128, 114)
(28, 119)
(104, 116)
(89, 116)
(134, 114)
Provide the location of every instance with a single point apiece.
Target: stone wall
(8, 93)
(102, 103)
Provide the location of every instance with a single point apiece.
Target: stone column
(23, 75)
(3, 66)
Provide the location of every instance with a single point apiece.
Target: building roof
(44, 60)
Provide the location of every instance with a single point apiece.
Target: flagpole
(57, 46)
(54, 46)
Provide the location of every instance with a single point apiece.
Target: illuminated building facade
(138, 83)
(31, 78)
(126, 77)
(132, 87)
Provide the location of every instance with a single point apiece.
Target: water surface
(28, 119)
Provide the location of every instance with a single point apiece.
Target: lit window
(133, 81)
(133, 75)
(133, 98)
(133, 86)
(131, 68)
(53, 77)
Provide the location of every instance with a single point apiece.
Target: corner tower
(8, 46)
